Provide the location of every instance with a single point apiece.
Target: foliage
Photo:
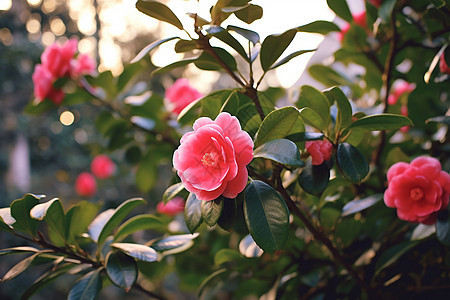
(297, 230)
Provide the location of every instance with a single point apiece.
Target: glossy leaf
(160, 11)
(310, 117)
(278, 124)
(193, 213)
(137, 251)
(289, 57)
(177, 64)
(6, 220)
(250, 13)
(381, 122)
(267, 216)
(314, 178)
(18, 250)
(282, 151)
(273, 46)
(185, 45)
(250, 35)
(19, 268)
(358, 205)
(352, 163)
(312, 98)
(344, 115)
(121, 269)
(20, 211)
(208, 62)
(305, 136)
(422, 231)
(226, 255)
(117, 217)
(443, 227)
(232, 218)
(174, 242)
(87, 287)
(172, 191)
(223, 35)
(211, 211)
(137, 223)
(219, 11)
(386, 9)
(53, 214)
(341, 9)
(79, 217)
(322, 27)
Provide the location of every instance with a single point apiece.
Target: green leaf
(344, 115)
(391, 255)
(250, 13)
(278, 124)
(310, 117)
(211, 211)
(193, 213)
(273, 46)
(79, 217)
(19, 268)
(322, 27)
(177, 64)
(116, 217)
(172, 191)
(219, 11)
(20, 211)
(352, 163)
(422, 231)
(386, 9)
(53, 214)
(147, 172)
(289, 57)
(208, 62)
(381, 122)
(314, 178)
(6, 220)
(314, 99)
(136, 223)
(18, 250)
(266, 215)
(159, 11)
(328, 76)
(341, 9)
(121, 269)
(226, 255)
(174, 243)
(141, 252)
(305, 136)
(185, 45)
(443, 227)
(232, 218)
(355, 206)
(223, 35)
(87, 287)
(280, 150)
(246, 33)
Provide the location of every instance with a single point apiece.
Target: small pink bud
(102, 166)
(85, 185)
(171, 208)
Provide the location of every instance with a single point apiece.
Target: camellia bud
(85, 185)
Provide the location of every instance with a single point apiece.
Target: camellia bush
(343, 193)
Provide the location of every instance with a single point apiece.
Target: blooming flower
(443, 67)
(102, 166)
(57, 58)
(180, 95)
(400, 88)
(320, 151)
(418, 190)
(43, 85)
(211, 160)
(82, 65)
(85, 184)
(171, 208)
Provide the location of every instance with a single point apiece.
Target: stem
(252, 93)
(318, 235)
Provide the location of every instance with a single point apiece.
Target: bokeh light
(67, 118)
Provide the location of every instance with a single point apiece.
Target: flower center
(210, 159)
(416, 193)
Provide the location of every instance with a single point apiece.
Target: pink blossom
(43, 85)
(56, 58)
(102, 166)
(401, 88)
(418, 190)
(443, 67)
(171, 208)
(359, 19)
(320, 151)
(404, 112)
(180, 95)
(211, 160)
(85, 184)
(82, 65)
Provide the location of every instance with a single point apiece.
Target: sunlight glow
(67, 118)
(34, 3)
(5, 4)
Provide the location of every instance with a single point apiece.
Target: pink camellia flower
(401, 88)
(43, 85)
(418, 190)
(171, 208)
(82, 65)
(443, 67)
(211, 160)
(180, 95)
(85, 184)
(102, 166)
(360, 19)
(56, 58)
(320, 151)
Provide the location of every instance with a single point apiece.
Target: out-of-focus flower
(443, 67)
(211, 160)
(57, 58)
(43, 85)
(320, 151)
(85, 184)
(399, 89)
(180, 95)
(418, 190)
(360, 19)
(82, 65)
(102, 166)
(171, 208)
(404, 112)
